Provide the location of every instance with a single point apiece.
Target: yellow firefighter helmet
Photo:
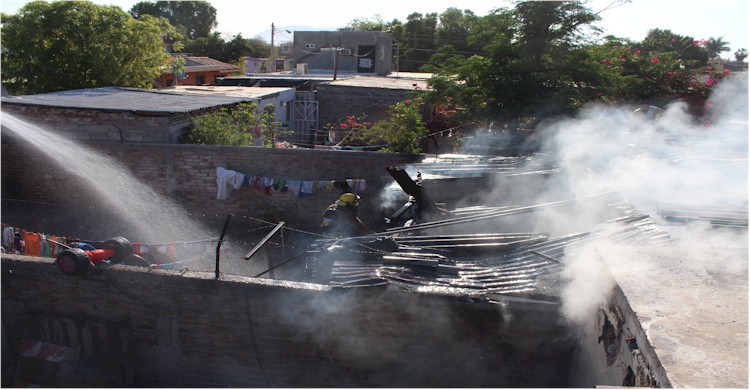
(349, 199)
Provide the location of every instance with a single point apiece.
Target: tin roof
(206, 61)
(129, 99)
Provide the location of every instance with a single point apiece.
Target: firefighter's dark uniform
(340, 219)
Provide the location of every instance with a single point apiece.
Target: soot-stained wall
(135, 327)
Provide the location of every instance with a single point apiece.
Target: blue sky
(700, 19)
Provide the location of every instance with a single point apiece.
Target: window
(309, 46)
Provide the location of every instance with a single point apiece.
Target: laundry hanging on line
(227, 180)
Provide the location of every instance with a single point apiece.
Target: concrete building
(266, 65)
(363, 52)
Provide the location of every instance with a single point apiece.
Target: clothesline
(228, 179)
(23, 242)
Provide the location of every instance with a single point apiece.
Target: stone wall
(138, 328)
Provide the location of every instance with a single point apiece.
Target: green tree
(715, 46)
(232, 51)
(417, 40)
(740, 55)
(195, 18)
(226, 126)
(270, 127)
(401, 133)
(211, 46)
(236, 126)
(687, 48)
(375, 23)
(534, 63)
(67, 45)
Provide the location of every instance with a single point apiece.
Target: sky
(700, 19)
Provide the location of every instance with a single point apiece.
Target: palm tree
(740, 55)
(715, 46)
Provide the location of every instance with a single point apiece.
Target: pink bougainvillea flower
(726, 71)
(654, 59)
(710, 82)
(343, 125)
(636, 51)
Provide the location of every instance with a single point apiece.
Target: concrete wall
(160, 328)
(615, 350)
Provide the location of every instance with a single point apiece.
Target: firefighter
(340, 219)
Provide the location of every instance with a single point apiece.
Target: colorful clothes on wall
(228, 179)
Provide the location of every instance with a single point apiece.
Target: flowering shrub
(657, 77)
(350, 131)
(404, 130)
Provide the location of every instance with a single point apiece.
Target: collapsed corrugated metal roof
(127, 99)
(473, 265)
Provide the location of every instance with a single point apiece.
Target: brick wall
(337, 102)
(160, 328)
(102, 125)
(187, 173)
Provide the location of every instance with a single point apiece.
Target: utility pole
(336, 62)
(273, 49)
(336, 51)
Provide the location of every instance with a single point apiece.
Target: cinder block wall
(158, 328)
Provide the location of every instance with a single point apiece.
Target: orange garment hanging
(33, 243)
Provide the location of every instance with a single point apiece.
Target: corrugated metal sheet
(421, 265)
(126, 99)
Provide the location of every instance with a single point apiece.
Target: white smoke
(650, 163)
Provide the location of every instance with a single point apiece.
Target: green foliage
(715, 46)
(270, 127)
(226, 126)
(235, 126)
(67, 45)
(654, 77)
(740, 55)
(195, 18)
(533, 62)
(401, 133)
(375, 23)
(232, 51)
(689, 50)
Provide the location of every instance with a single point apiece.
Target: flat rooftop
(141, 100)
(692, 303)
